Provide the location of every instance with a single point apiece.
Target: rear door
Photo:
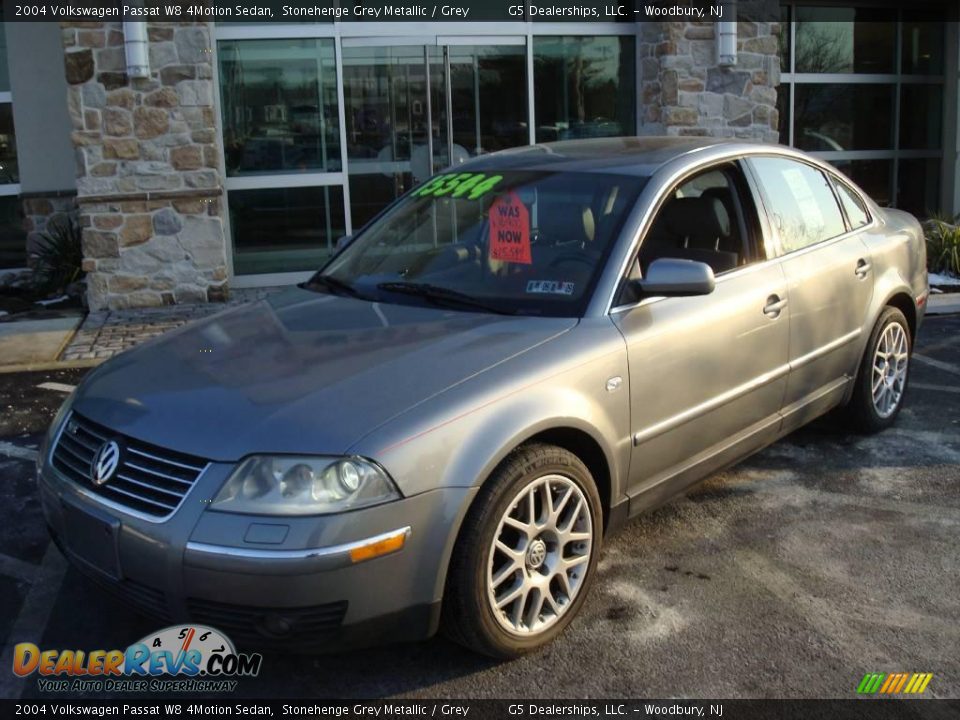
(829, 276)
(707, 373)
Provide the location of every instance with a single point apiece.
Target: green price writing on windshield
(471, 185)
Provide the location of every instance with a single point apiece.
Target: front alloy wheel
(539, 555)
(526, 554)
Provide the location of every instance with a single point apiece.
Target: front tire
(884, 371)
(526, 554)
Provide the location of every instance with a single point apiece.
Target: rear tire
(526, 554)
(881, 383)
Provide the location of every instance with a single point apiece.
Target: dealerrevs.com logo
(185, 658)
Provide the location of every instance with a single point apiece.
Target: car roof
(617, 155)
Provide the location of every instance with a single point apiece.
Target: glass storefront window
(921, 117)
(584, 87)
(918, 186)
(922, 46)
(13, 240)
(875, 177)
(783, 114)
(279, 106)
(9, 171)
(835, 117)
(845, 40)
(284, 229)
(785, 38)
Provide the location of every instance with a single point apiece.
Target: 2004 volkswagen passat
(439, 428)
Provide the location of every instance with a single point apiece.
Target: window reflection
(13, 239)
(584, 87)
(922, 47)
(845, 40)
(875, 177)
(843, 117)
(398, 132)
(9, 170)
(921, 116)
(284, 229)
(279, 106)
(918, 186)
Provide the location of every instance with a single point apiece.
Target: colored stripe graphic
(894, 683)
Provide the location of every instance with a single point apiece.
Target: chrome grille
(149, 480)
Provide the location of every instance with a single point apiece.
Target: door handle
(774, 305)
(863, 269)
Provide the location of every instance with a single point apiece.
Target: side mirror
(673, 277)
(343, 242)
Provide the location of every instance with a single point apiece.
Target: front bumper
(266, 581)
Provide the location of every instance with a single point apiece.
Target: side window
(852, 204)
(709, 218)
(800, 202)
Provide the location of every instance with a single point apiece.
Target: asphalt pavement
(826, 556)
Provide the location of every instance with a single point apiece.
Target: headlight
(283, 485)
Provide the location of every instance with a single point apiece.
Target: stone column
(685, 92)
(149, 188)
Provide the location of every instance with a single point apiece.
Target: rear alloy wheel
(883, 375)
(526, 554)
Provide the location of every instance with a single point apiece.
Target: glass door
(392, 125)
(414, 110)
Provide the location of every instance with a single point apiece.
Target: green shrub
(58, 255)
(943, 247)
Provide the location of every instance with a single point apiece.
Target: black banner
(865, 709)
(294, 11)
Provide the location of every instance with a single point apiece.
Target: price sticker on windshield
(471, 186)
(510, 230)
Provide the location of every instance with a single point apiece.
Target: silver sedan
(439, 428)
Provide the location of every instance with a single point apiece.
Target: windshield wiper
(334, 284)
(441, 294)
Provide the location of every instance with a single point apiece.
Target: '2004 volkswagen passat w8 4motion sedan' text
(438, 429)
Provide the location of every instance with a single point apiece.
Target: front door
(707, 373)
(414, 110)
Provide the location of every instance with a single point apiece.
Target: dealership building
(237, 153)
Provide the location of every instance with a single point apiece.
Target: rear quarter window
(799, 201)
(852, 204)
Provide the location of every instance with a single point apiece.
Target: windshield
(520, 242)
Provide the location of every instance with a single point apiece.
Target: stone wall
(683, 91)
(149, 187)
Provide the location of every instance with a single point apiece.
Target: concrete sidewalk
(35, 341)
(77, 341)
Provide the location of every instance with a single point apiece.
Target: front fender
(458, 438)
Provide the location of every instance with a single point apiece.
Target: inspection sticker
(510, 230)
(550, 287)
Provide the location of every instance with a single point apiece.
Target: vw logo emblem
(105, 463)
(536, 553)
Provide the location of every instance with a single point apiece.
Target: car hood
(299, 372)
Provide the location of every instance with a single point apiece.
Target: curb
(943, 304)
(51, 365)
